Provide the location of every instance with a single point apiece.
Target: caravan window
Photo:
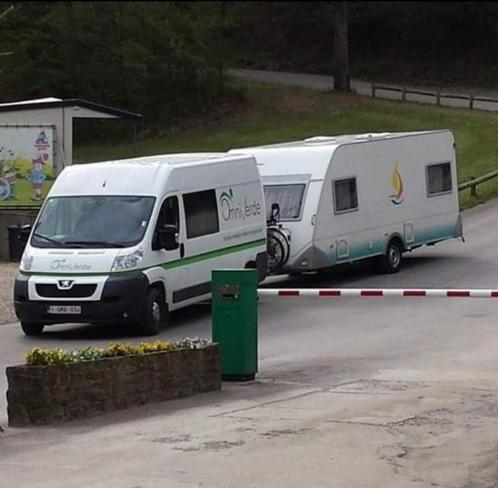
(438, 178)
(201, 213)
(345, 195)
(289, 198)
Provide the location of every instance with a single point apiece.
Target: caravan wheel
(391, 261)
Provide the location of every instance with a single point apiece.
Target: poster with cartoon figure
(26, 165)
(36, 176)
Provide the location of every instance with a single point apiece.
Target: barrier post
(473, 188)
(234, 318)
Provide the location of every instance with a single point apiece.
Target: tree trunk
(341, 49)
(222, 34)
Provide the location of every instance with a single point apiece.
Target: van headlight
(26, 262)
(127, 261)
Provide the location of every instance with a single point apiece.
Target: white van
(346, 198)
(131, 240)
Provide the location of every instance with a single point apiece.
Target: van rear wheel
(154, 315)
(32, 328)
(391, 261)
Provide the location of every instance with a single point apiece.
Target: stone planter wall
(40, 395)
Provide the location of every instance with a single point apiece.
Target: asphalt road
(351, 392)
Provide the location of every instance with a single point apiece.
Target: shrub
(44, 357)
(119, 350)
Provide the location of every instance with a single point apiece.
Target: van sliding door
(202, 243)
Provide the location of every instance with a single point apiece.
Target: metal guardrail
(473, 182)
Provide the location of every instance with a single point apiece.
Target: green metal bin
(235, 322)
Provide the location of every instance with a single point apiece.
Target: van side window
(345, 195)
(201, 213)
(168, 215)
(438, 178)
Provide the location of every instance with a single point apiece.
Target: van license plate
(65, 309)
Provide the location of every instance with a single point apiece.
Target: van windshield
(288, 197)
(92, 221)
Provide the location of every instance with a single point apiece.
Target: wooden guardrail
(473, 182)
(436, 94)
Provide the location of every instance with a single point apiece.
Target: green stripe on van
(169, 265)
(213, 254)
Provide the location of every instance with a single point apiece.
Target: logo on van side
(62, 265)
(231, 210)
(399, 189)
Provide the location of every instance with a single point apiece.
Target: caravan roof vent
(372, 135)
(319, 140)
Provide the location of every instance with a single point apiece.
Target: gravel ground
(7, 275)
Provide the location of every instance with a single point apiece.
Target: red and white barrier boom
(370, 292)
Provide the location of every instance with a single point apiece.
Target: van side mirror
(167, 237)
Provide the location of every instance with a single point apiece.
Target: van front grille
(76, 291)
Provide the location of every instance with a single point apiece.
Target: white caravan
(130, 240)
(339, 199)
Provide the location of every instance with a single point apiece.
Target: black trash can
(18, 237)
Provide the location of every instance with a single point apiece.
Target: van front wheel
(154, 313)
(391, 261)
(32, 328)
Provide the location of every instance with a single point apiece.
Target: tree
(6, 11)
(341, 48)
(157, 58)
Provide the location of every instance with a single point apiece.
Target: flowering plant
(43, 357)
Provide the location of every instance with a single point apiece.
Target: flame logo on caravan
(399, 189)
